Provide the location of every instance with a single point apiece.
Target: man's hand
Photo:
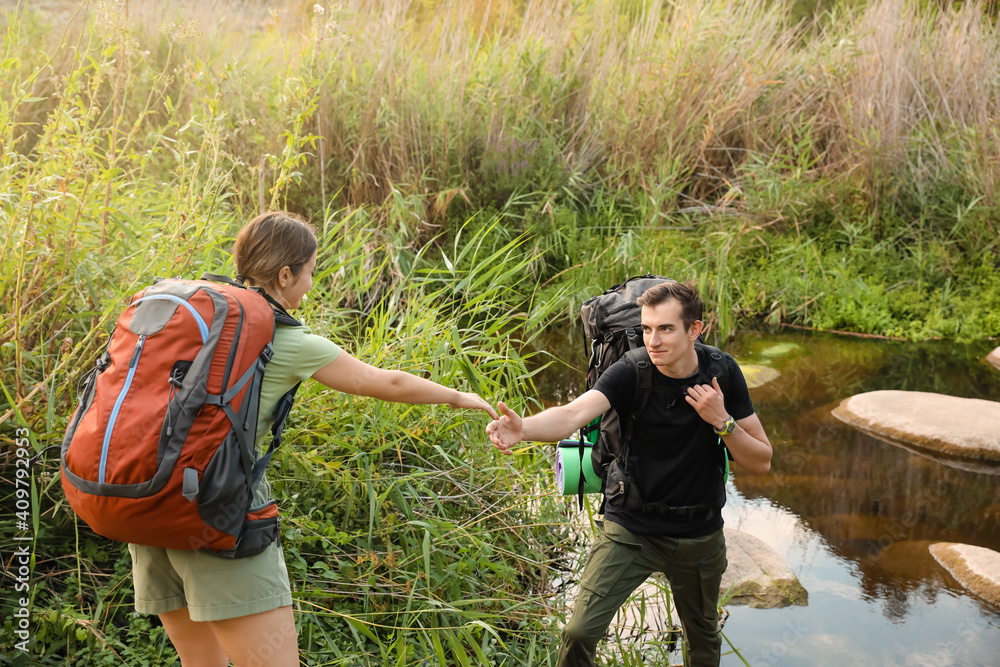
(506, 431)
(708, 402)
(748, 444)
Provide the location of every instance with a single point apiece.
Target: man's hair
(685, 294)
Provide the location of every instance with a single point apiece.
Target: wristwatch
(727, 427)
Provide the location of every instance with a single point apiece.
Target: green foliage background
(476, 169)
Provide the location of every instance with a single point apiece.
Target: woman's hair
(685, 294)
(269, 242)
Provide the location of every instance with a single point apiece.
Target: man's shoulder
(711, 351)
(715, 359)
(619, 377)
(637, 358)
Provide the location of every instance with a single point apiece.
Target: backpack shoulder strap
(281, 315)
(219, 278)
(717, 365)
(280, 415)
(639, 359)
(284, 405)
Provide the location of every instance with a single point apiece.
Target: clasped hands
(506, 431)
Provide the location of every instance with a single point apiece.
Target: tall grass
(583, 121)
(476, 100)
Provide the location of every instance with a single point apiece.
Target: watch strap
(727, 428)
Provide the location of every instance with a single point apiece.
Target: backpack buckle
(267, 353)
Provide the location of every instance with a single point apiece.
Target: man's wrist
(726, 428)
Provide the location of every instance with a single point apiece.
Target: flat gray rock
(757, 576)
(976, 568)
(994, 358)
(960, 432)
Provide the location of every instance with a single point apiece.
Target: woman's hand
(473, 401)
(505, 431)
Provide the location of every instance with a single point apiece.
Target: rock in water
(994, 358)
(955, 429)
(758, 376)
(757, 576)
(976, 568)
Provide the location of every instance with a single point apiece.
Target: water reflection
(852, 514)
(875, 504)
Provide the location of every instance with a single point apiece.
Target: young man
(671, 521)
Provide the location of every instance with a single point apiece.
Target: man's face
(663, 332)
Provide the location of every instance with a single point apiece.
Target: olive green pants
(620, 562)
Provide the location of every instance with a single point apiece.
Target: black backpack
(612, 326)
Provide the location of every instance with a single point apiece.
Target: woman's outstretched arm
(353, 376)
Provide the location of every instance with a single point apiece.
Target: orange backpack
(160, 450)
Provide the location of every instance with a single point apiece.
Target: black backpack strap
(684, 512)
(281, 411)
(284, 406)
(639, 358)
(717, 365)
(634, 337)
(281, 315)
(218, 278)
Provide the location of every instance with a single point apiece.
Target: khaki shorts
(212, 588)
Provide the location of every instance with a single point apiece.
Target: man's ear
(696, 328)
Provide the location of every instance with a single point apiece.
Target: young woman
(216, 609)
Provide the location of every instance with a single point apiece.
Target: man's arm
(549, 425)
(748, 443)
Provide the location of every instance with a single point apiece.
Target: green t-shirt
(298, 353)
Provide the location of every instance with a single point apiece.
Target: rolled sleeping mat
(569, 464)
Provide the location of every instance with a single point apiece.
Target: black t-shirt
(675, 457)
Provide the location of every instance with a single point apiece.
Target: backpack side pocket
(262, 527)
